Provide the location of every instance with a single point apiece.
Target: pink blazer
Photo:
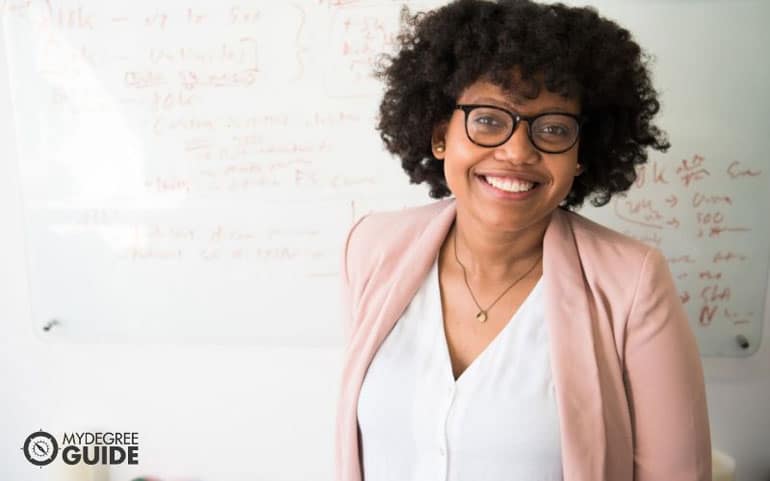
(627, 372)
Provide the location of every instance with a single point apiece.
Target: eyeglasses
(549, 132)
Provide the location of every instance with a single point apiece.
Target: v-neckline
(437, 293)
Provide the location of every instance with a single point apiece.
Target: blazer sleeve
(664, 382)
(346, 284)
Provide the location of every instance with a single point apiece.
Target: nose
(518, 149)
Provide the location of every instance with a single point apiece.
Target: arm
(664, 382)
(346, 294)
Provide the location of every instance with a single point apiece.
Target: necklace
(481, 316)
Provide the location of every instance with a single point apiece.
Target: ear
(579, 169)
(438, 140)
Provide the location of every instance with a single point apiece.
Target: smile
(509, 185)
(502, 188)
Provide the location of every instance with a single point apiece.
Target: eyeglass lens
(550, 132)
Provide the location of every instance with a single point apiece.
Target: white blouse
(496, 422)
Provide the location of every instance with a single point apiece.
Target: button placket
(450, 390)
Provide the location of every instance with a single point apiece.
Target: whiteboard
(189, 169)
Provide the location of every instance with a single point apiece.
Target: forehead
(520, 96)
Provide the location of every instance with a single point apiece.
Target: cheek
(563, 168)
(457, 166)
(460, 156)
(566, 181)
(452, 173)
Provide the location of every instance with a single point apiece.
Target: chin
(505, 219)
(511, 219)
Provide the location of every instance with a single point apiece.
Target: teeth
(509, 185)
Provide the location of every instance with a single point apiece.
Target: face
(469, 168)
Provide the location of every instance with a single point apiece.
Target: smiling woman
(497, 334)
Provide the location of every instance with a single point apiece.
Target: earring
(577, 166)
(440, 147)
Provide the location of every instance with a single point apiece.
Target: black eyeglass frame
(517, 118)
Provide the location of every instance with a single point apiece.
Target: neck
(493, 255)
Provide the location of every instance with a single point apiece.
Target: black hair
(569, 50)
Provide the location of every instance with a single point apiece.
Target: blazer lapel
(576, 377)
(411, 272)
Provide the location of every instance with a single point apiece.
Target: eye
(489, 120)
(554, 129)
(555, 126)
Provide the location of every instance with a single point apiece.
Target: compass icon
(40, 448)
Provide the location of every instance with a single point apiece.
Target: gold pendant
(481, 316)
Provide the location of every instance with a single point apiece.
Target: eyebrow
(511, 101)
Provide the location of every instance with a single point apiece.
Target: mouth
(508, 189)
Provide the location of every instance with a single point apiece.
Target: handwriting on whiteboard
(695, 203)
(234, 105)
(201, 89)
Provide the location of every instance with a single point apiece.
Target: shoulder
(380, 226)
(381, 235)
(623, 274)
(599, 239)
(608, 256)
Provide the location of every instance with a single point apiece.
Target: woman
(497, 335)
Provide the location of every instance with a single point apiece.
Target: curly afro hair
(571, 51)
